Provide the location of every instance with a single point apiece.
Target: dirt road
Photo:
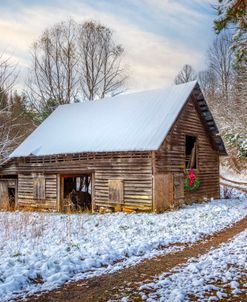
(117, 284)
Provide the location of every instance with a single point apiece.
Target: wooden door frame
(10, 186)
(187, 133)
(60, 182)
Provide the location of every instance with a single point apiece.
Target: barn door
(115, 191)
(39, 188)
(163, 192)
(178, 182)
(4, 200)
(168, 191)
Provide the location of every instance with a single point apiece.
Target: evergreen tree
(234, 12)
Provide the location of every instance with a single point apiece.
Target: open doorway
(8, 192)
(11, 195)
(76, 193)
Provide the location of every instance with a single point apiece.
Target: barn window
(190, 152)
(39, 188)
(116, 191)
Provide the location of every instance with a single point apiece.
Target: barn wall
(26, 183)
(135, 169)
(8, 169)
(3, 194)
(171, 156)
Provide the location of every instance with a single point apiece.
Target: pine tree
(234, 12)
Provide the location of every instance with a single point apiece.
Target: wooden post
(93, 192)
(58, 205)
(61, 193)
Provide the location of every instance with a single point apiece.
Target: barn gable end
(170, 159)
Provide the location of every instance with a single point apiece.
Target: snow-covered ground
(232, 193)
(233, 175)
(211, 277)
(234, 185)
(41, 251)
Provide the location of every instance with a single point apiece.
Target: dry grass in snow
(41, 251)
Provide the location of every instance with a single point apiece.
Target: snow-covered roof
(130, 122)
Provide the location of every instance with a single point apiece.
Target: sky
(159, 36)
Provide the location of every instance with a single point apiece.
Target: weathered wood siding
(3, 194)
(171, 156)
(134, 169)
(9, 168)
(163, 192)
(26, 190)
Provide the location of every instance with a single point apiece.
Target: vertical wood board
(39, 188)
(163, 192)
(115, 190)
(178, 188)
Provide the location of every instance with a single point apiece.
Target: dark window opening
(11, 194)
(190, 152)
(77, 193)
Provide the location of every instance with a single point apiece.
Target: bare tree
(220, 57)
(101, 72)
(208, 84)
(7, 79)
(224, 86)
(216, 81)
(221, 68)
(71, 61)
(187, 74)
(237, 129)
(8, 137)
(53, 80)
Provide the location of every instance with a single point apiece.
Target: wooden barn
(128, 152)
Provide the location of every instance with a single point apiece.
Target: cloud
(153, 60)
(153, 56)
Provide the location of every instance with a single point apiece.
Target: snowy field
(211, 277)
(42, 251)
(232, 193)
(230, 174)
